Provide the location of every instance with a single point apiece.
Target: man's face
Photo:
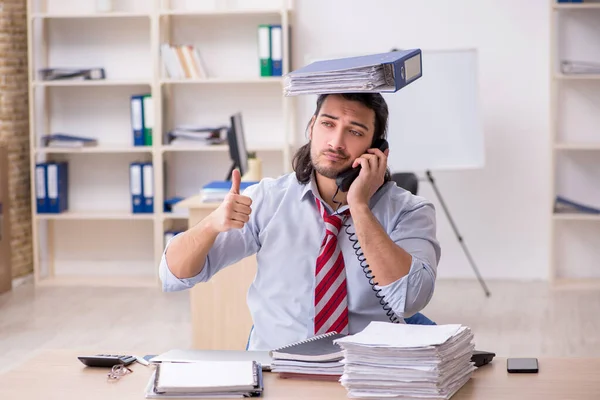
(341, 132)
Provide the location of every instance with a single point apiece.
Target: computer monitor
(237, 145)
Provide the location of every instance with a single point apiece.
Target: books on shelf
(384, 72)
(142, 119)
(562, 205)
(183, 61)
(573, 67)
(141, 187)
(205, 379)
(270, 49)
(197, 135)
(408, 361)
(316, 358)
(54, 74)
(52, 187)
(68, 141)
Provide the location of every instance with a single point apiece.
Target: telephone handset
(345, 179)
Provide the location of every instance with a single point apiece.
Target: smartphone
(522, 365)
(345, 179)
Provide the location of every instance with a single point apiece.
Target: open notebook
(206, 379)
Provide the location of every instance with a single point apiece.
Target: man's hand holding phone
(373, 166)
(234, 211)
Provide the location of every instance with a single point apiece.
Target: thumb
(235, 182)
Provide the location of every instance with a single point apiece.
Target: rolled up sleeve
(229, 248)
(415, 232)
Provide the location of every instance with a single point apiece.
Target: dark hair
(302, 163)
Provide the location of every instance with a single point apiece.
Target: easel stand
(458, 236)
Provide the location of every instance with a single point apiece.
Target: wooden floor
(519, 319)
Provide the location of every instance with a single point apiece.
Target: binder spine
(41, 188)
(311, 339)
(137, 120)
(264, 50)
(276, 50)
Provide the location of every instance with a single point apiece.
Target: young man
(314, 251)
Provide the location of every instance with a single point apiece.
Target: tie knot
(333, 223)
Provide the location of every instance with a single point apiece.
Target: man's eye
(356, 133)
(326, 123)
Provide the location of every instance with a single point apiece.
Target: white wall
(503, 209)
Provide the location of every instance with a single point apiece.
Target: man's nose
(337, 140)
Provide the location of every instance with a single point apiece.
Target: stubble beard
(328, 172)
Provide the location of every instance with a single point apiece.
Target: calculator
(106, 360)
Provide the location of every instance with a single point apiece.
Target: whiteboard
(435, 122)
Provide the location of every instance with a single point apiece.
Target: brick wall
(14, 128)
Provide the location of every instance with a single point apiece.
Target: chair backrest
(407, 181)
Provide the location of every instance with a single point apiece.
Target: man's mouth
(334, 156)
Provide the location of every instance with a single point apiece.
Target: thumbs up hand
(235, 210)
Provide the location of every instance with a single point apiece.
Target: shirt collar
(311, 187)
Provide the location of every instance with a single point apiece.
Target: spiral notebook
(320, 348)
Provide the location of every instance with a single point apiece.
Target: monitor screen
(237, 145)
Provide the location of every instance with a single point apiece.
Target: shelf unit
(99, 241)
(575, 144)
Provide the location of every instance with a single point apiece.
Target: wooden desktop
(58, 374)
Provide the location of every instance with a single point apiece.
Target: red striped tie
(331, 301)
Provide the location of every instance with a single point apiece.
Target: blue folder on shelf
(383, 72)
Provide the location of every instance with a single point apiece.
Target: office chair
(410, 182)
(407, 181)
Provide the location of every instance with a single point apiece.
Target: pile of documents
(408, 361)
(187, 135)
(385, 72)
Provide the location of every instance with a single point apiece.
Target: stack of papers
(203, 379)
(385, 72)
(573, 67)
(407, 361)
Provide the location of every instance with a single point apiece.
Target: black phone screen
(522, 365)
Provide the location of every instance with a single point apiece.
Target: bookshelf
(99, 240)
(575, 144)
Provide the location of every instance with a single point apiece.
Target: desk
(58, 375)
(220, 315)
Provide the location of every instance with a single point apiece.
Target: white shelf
(99, 82)
(127, 44)
(577, 146)
(574, 117)
(577, 6)
(215, 13)
(104, 149)
(236, 81)
(217, 148)
(577, 77)
(95, 215)
(576, 217)
(106, 15)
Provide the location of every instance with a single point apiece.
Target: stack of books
(407, 361)
(317, 358)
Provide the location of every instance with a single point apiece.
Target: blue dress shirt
(285, 232)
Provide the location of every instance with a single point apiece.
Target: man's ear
(310, 128)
